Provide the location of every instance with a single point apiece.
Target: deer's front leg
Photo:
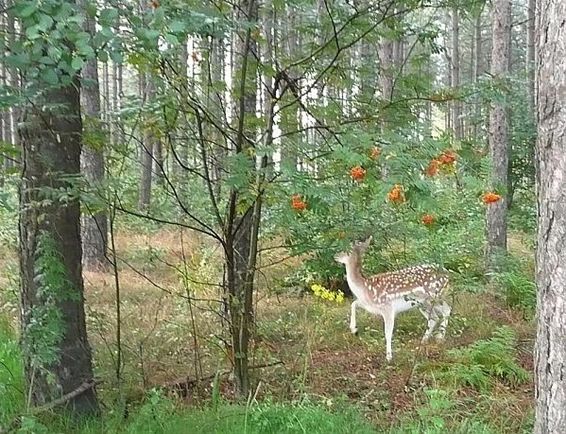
(353, 326)
(389, 325)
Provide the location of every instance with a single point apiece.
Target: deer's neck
(356, 279)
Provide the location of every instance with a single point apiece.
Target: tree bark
(95, 224)
(107, 107)
(51, 139)
(290, 115)
(531, 55)
(146, 154)
(242, 226)
(498, 133)
(478, 44)
(455, 70)
(13, 79)
(550, 351)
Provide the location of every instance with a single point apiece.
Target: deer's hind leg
(431, 315)
(443, 311)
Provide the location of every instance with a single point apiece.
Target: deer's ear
(365, 244)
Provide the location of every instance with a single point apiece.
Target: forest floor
(303, 346)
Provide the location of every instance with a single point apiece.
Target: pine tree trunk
(477, 70)
(51, 140)
(531, 55)
(550, 351)
(94, 224)
(498, 133)
(456, 105)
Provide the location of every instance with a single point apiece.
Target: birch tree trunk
(550, 351)
(499, 133)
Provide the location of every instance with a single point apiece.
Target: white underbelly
(400, 305)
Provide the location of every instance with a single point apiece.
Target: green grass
(11, 374)
(161, 415)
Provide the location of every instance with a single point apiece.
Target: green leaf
(172, 39)
(108, 17)
(49, 76)
(54, 53)
(77, 63)
(32, 32)
(103, 56)
(177, 26)
(116, 57)
(151, 34)
(26, 9)
(45, 22)
(17, 60)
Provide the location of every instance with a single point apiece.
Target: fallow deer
(388, 294)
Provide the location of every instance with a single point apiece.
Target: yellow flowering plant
(321, 292)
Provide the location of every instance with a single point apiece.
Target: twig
(183, 385)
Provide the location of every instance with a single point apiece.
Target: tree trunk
(498, 133)
(550, 351)
(242, 225)
(107, 107)
(13, 115)
(290, 115)
(531, 55)
(455, 69)
(50, 254)
(95, 223)
(478, 44)
(146, 155)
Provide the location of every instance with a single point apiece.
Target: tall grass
(11, 374)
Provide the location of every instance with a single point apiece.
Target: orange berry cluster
(446, 159)
(396, 194)
(358, 173)
(297, 203)
(375, 153)
(428, 219)
(491, 197)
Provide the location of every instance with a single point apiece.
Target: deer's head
(358, 249)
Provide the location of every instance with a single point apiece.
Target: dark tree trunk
(242, 225)
(498, 133)
(95, 223)
(550, 351)
(51, 140)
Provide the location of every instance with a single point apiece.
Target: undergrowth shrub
(482, 363)
(160, 415)
(439, 415)
(516, 283)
